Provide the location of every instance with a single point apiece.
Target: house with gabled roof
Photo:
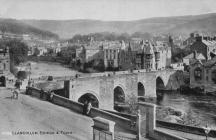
(203, 74)
(204, 45)
(189, 58)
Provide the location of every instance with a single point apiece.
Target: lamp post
(29, 81)
(29, 70)
(207, 130)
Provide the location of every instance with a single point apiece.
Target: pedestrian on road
(16, 93)
(51, 96)
(41, 93)
(85, 106)
(29, 83)
(89, 108)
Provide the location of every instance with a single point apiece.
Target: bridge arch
(2, 81)
(118, 98)
(89, 96)
(141, 89)
(119, 94)
(160, 86)
(160, 83)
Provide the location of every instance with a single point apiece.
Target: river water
(39, 69)
(203, 108)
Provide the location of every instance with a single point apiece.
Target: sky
(108, 10)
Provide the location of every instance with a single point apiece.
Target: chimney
(205, 38)
(199, 38)
(192, 35)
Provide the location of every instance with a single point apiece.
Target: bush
(18, 51)
(21, 75)
(50, 78)
(132, 102)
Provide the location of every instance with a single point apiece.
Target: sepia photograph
(107, 70)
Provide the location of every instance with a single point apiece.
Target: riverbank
(173, 115)
(39, 69)
(193, 110)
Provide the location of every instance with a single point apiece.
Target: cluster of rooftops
(147, 47)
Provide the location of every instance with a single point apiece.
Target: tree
(50, 78)
(133, 104)
(68, 54)
(21, 75)
(36, 52)
(18, 51)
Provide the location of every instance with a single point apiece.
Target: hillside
(174, 25)
(18, 27)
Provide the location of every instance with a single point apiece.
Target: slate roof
(210, 63)
(200, 56)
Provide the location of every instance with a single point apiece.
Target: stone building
(189, 58)
(204, 45)
(90, 52)
(111, 55)
(81, 55)
(189, 41)
(153, 56)
(163, 54)
(127, 57)
(4, 65)
(203, 74)
(4, 60)
(119, 55)
(149, 56)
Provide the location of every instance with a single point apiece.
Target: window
(206, 78)
(110, 54)
(198, 74)
(214, 76)
(107, 54)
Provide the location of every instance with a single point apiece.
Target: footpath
(40, 119)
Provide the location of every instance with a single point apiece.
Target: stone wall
(147, 127)
(102, 86)
(185, 128)
(37, 93)
(95, 112)
(148, 79)
(81, 86)
(106, 93)
(128, 82)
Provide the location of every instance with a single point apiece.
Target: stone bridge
(105, 89)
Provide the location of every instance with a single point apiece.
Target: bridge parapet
(102, 87)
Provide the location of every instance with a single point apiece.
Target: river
(202, 108)
(39, 69)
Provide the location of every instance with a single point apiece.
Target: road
(33, 116)
(43, 120)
